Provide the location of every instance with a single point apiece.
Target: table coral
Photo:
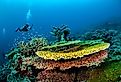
(71, 43)
(93, 59)
(86, 51)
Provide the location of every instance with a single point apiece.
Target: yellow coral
(86, 51)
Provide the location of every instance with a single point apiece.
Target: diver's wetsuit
(25, 28)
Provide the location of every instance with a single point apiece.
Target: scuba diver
(24, 28)
(27, 26)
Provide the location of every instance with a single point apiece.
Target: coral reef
(93, 59)
(80, 53)
(53, 76)
(15, 70)
(111, 36)
(36, 61)
(107, 72)
(60, 46)
(30, 67)
(28, 48)
(32, 46)
(4, 71)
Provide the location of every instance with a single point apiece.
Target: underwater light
(4, 30)
(28, 15)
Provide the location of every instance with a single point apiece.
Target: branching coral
(27, 48)
(12, 53)
(37, 43)
(18, 71)
(4, 71)
(86, 51)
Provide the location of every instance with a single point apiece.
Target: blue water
(77, 14)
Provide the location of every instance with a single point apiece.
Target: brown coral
(93, 59)
(54, 76)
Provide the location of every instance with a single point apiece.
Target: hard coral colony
(38, 61)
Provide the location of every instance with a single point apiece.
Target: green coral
(12, 53)
(61, 44)
(108, 72)
(28, 48)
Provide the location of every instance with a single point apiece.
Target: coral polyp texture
(30, 47)
(80, 53)
(53, 76)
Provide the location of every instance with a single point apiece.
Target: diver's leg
(18, 30)
(31, 27)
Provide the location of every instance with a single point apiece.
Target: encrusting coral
(49, 76)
